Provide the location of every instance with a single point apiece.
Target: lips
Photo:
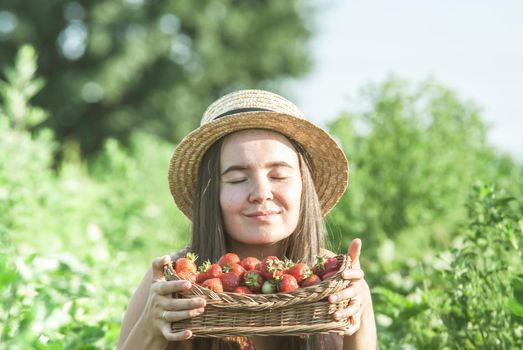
(262, 213)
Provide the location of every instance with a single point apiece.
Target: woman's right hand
(162, 308)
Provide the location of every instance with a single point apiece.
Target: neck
(257, 251)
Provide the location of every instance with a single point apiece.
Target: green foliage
(114, 67)
(112, 218)
(414, 152)
(484, 272)
(471, 299)
(444, 263)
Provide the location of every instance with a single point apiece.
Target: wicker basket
(301, 312)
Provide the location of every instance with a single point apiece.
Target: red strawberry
(189, 276)
(271, 268)
(229, 258)
(186, 264)
(242, 290)
(329, 274)
(254, 280)
(300, 271)
(324, 265)
(230, 281)
(287, 283)
(214, 284)
(312, 280)
(331, 264)
(269, 286)
(259, 266)
(287, 264)
(235, 268)
(208, 270)
(249, 263)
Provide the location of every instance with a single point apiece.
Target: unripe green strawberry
(269, 287)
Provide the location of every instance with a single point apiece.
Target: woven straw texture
(301, 312)
(329, 166)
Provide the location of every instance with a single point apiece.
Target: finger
(173, 304)
(169, 287)
(355, 326)
(175, 336)
(174, 316)
(354, 252)
(348, 293)
(158, 265)
(351, 310)
(353, 274)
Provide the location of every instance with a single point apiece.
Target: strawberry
(249, 263)
(253, 280)
(287, 264)
(271, 268)
(300, 271)
(331, 264)
(187, 275)
(329, 274)
(324, 265)
(242, 290)
(235, 268)
(230, 281)
(214, 284)
(310, 281)
(268, 287)
(208, 270)
(186, 264)
(229, 258)
(287, 283)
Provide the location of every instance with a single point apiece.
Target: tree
(115, 66)
(415, 152)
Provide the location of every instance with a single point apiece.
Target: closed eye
(235, 181)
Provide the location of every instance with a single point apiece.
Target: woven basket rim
(268, 301)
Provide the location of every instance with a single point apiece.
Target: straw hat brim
(330, 166)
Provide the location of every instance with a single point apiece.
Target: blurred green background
(94, 97)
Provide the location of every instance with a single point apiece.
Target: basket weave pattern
(301, 312)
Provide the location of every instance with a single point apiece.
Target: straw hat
(257, 109)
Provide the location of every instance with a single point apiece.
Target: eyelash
(277, 178)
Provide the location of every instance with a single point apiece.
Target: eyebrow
(268, 165)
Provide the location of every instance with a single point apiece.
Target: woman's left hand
(358, 291)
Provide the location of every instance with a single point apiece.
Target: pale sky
(473, 47)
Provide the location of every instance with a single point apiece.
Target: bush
(75, 241)
(472, 297)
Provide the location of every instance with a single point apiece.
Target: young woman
(255, 178)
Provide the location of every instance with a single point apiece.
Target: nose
(261, 191)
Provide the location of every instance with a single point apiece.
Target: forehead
(256, 145)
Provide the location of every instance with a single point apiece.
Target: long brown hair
(209, 237)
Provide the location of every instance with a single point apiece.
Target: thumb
(354, 252)
(158, 265)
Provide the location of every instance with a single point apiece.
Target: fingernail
(187, 333)
(337, 315)
(333, 298)
(346, 274)
(200, 310)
